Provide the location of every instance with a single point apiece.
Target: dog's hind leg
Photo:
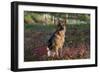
(48, 52)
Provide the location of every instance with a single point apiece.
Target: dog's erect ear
(65, 20)
(56, 21)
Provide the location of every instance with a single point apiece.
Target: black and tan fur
(56, 41)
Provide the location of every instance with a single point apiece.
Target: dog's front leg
(61, 52)
(57, 53)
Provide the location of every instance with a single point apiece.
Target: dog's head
(61, 24)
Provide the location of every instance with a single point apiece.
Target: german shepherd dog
(56, 41)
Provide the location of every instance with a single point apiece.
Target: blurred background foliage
(51, 18)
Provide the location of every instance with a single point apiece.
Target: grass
(39, 27)
(37, 35)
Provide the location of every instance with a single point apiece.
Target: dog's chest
(60, 36)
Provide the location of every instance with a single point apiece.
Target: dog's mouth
(62, 27)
